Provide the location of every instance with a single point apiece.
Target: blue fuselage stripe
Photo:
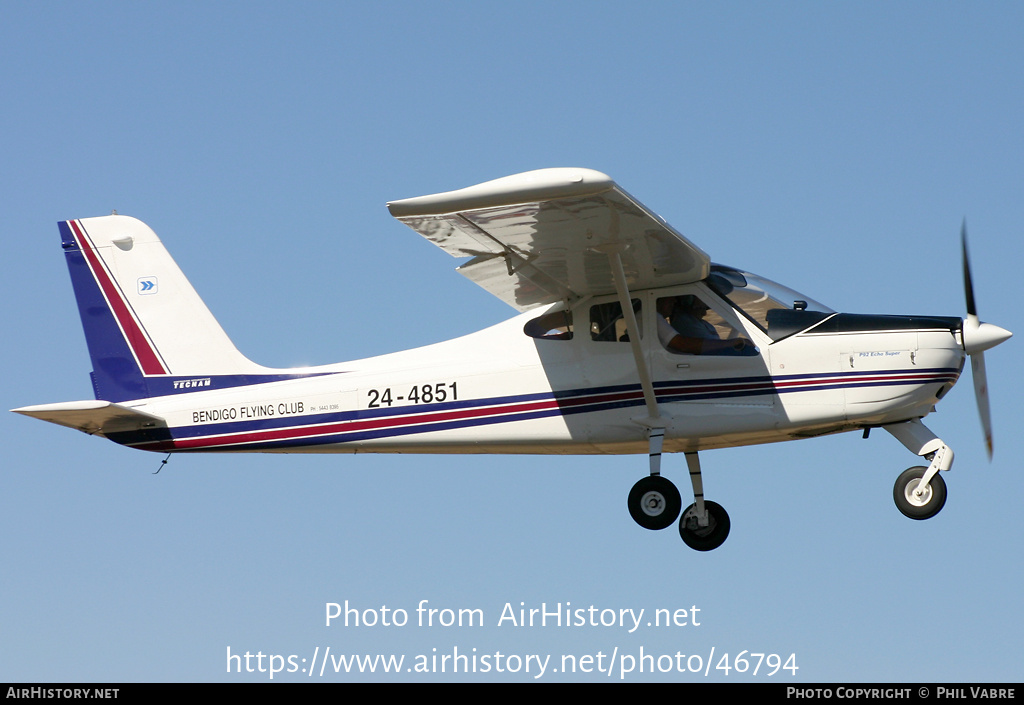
(369, 424)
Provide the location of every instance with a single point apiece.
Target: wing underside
(544, 236)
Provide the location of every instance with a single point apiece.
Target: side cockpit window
(556, 325)
(688, 325)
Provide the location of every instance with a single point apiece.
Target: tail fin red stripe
(141, 346)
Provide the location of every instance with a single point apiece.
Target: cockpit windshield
(777, 310)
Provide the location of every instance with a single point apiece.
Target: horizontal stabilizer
(94, 417)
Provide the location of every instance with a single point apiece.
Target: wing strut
(654, 420)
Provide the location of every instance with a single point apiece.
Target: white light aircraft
(629, 340)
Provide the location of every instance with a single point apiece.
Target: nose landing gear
(920, 492)
(916, 498)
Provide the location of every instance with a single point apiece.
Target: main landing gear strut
(655, 503)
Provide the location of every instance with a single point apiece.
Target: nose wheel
(916, 498)
(920, 492)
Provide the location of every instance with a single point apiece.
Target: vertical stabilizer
(144, 323)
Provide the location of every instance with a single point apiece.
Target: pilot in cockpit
(682, 329)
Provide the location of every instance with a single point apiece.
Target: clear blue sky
(834, 147)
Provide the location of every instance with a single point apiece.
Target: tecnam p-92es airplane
(629, 340)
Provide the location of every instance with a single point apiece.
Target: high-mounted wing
(544, 236)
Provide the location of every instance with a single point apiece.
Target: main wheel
(914, 505)
(654, 502)
(704, 538)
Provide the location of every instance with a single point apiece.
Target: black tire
(710, 537)
(919, 508)
(654, 502)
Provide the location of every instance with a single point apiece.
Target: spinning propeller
(979, 337)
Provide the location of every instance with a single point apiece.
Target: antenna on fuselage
(162, 463)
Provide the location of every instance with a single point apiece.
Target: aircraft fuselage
(572, 396)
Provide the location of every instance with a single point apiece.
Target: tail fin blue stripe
(142, 348)
(121, 354)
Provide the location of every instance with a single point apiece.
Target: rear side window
(607, 323)
(556, 325)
